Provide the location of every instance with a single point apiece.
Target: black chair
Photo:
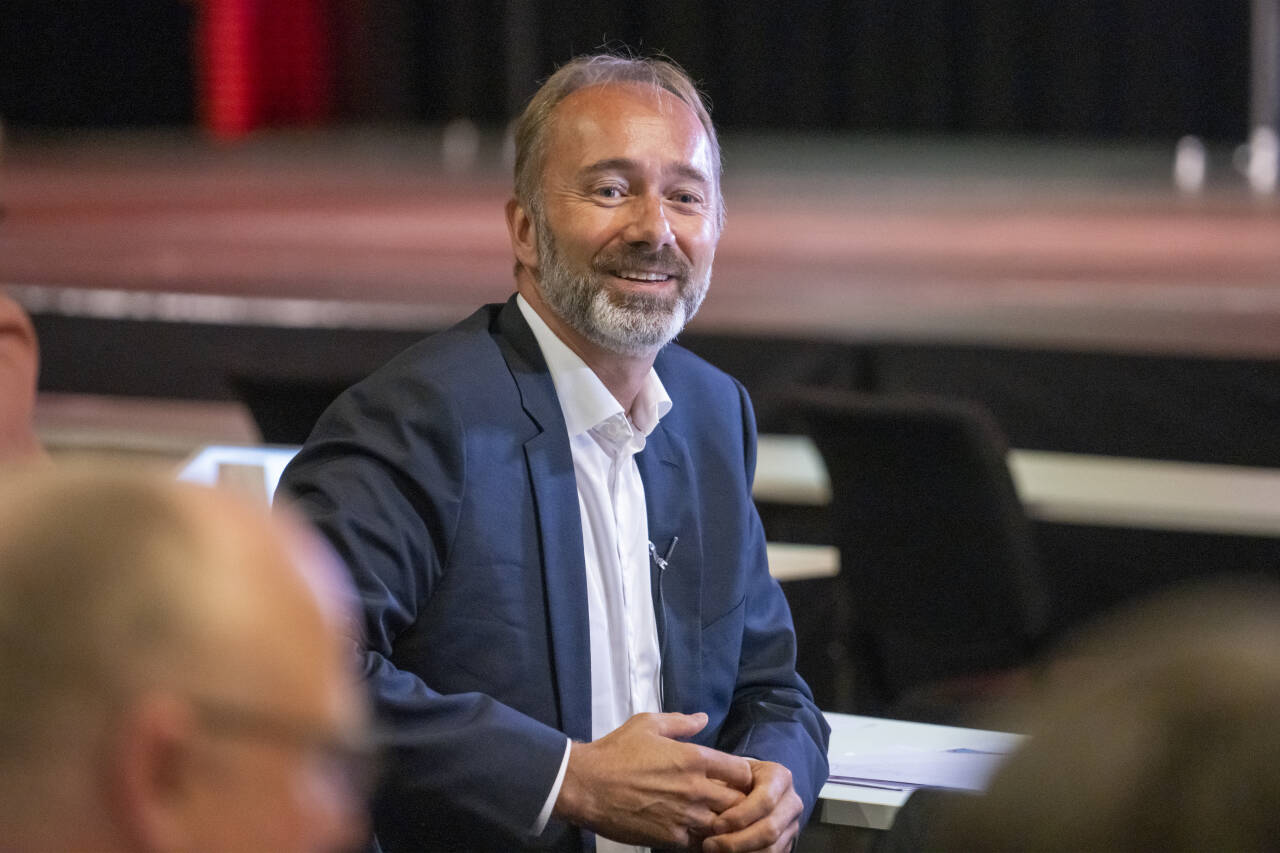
(946, 599)
(285, 409)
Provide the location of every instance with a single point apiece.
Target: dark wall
(1090, 68)
(1107, 67)
(88, 63)
(1112, 68)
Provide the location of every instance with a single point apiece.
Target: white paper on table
(955, 769)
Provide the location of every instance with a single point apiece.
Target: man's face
(276, 780)
(282, 722)
(628, 229)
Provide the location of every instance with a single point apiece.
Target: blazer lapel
(669, 493)
(555, 499)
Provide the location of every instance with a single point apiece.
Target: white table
(211, 466)
(1076, 488)
(875, 807)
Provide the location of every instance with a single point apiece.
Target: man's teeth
(643, 276)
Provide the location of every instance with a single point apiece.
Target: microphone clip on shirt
(664, 560)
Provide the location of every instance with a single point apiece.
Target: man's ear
(149, 768)
(523, 233)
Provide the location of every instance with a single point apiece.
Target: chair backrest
(285, 409)
(938, 558)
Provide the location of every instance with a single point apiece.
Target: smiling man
(571, 627)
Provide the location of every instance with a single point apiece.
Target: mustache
(665, 260)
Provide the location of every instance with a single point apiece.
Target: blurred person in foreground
(1159, 729)
(571, 625)
(19, 364)
(172, 674)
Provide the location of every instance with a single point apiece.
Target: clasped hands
(640, 785)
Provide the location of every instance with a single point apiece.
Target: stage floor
(849, 240)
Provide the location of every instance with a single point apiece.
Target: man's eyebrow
(691, 172)
(624, 164)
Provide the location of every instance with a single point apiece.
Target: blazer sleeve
(386, 490)
(773, 716)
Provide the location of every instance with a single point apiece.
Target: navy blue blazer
(446, 482)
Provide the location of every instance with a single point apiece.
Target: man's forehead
(602, 109)
(655, 97)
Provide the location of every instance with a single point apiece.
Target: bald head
(116, 589)
(1154, 730)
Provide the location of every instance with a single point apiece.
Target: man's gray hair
(533, 124)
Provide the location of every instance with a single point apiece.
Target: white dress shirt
(626, 669)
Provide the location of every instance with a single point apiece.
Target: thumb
(674, 725)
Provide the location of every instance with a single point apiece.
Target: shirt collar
(584, 399)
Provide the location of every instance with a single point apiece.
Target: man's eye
(686, 198)
(609, 191)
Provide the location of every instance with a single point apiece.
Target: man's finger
(772, 791)
(675, 725)
(757, 837)
(754, 807)
(718, 797)
(733, 770)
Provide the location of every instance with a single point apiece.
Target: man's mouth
(642, 276)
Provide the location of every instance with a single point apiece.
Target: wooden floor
(828, 238)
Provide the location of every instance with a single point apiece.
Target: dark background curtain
(1089, 69)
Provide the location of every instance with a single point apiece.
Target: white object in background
(794, 561)
(1263, 168)
(1078, 488)
(1190, 165)
(459, 145)
(211, 466)
(790, 470)
(1075, 488)
(956, 768)
(875, 805)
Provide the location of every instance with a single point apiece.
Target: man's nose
(649, 226)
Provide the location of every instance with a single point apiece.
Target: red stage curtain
(264, 62)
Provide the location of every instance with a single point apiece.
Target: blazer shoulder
(458, 373)
(468, 344)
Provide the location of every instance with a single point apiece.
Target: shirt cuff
(545, 815)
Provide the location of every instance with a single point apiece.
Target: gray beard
(627, 323)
